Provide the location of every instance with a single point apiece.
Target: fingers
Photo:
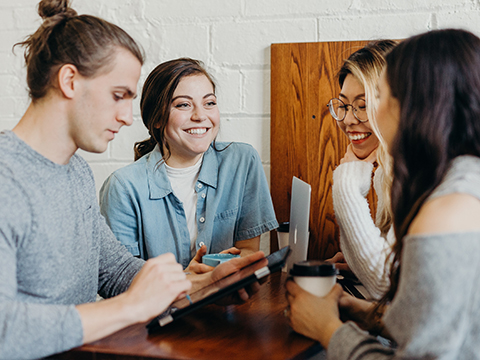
(199, 268)
(342, 266)
(232, 250)
(241, 262)
(338, 257)
(202, 251)
(292, 288)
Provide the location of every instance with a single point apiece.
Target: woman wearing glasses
(428, 114)
(365, 244)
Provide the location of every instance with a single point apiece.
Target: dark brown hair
(64, 37)
(157, 96)
(435, 76)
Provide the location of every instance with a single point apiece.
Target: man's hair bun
(51, 8)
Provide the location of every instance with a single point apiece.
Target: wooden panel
(305, 141)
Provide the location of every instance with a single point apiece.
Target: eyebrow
(130, 92)
(190, 98)
(356, 97)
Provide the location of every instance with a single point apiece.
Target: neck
(44, 128)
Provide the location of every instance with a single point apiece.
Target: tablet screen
(221, 288)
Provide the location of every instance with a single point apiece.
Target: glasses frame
(354, 110)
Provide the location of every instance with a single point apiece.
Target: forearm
(364, 248)
(102, 318)
(249, 246)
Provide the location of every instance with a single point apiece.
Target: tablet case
(220, 289)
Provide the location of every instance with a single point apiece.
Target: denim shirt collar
(158, 182)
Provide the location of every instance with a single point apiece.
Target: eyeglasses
(338, 109)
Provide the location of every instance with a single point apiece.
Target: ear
(68, 76)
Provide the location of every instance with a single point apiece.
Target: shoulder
(454, 205)
(235, 150)
(457, 212)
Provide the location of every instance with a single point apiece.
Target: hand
(362, 312)
(233, 266)
(350, 156)
(340, 263)
(315, 317)
(197, 267)
(232, 250)
(160, 281)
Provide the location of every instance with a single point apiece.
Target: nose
(199, 114)
(125, 114)
(350, 119)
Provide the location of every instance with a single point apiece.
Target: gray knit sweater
(56, 251)
(436, 311)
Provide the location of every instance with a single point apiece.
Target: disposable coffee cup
(316, 277)
(283, 234)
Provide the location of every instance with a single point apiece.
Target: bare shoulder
(450, 213)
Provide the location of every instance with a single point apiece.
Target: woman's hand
(350, 156)
(340, 263)
(364, 313)
(313, 316)
(197, 267)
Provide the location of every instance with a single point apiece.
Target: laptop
(299, 221)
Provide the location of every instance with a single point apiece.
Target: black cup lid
(313, 268)
(284, 227)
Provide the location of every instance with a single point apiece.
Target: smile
(359, 136)
(196, 131)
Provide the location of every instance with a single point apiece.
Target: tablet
(221, 288)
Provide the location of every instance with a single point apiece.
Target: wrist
(328, 332)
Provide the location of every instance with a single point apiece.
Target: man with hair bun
(57, 251)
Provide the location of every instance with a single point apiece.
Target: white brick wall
(233, 39)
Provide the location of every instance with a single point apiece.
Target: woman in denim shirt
(186, 193)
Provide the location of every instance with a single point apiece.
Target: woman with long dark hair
(186, 193)
(429, 115)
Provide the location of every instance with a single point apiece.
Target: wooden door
(305, 141)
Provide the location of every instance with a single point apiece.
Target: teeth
(197, 131)
(359, 136)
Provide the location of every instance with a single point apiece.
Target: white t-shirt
(183, 184)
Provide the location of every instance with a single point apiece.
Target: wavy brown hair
(435, 76)
(64, 37)
(156, 99)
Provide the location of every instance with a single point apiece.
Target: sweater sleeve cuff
(350, 342)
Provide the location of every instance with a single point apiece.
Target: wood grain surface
(305, 140)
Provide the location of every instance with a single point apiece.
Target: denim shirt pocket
(224, 230)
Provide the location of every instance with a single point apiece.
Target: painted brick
(368, 27)
(27, 19)
(406, 5)
(122, 146)
(254, 131)
(7, 124)
(293, 8)
(248, 43)
(7, 106)
(186, 10)
(6, 19)
(182, 41)
(468, 20)
(228, 89)
(257, 92)
(101, 171)
(94, 157)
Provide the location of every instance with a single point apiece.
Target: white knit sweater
(364, 248)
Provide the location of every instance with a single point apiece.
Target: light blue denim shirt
(233, 204)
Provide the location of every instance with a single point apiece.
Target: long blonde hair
(366, 66)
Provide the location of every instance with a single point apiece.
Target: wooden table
(254, 330)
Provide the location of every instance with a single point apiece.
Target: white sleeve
(364, 248)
